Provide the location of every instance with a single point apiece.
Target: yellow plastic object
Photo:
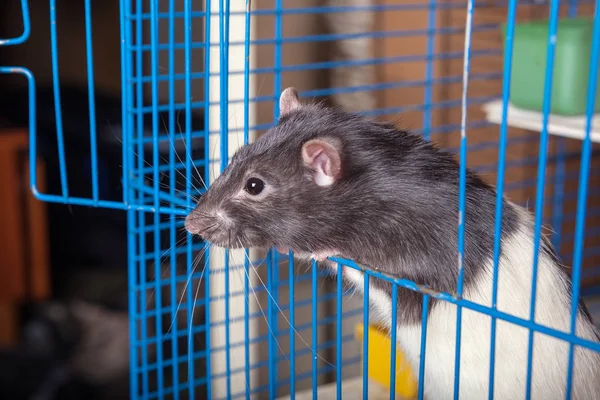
(379, 353)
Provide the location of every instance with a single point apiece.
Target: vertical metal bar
(207, 169)
(394, 356)
(173, 194)
(462, 191)
(227, 326)
(278, 59)
(224, 109)
(559, 174)
(57, 104)
(292, 324)
(584, 171)
(542, 161)
(246, 262)
(366, 309)
(32, 121)
(247, 39)
(141, 215)
(315, 327)
(338, 336)
(224, 80)
(270, 310)
(424, 317)
(224, 72)
(431, 23)
(132, 306)
(126, 94)
(187, 32)
(127, 123)
(143, 285)
(508, 51)
(277, 89)
(275, 317)
(224, 151)
(89, 49)
(155, 179)
(247, 324)
(143, 303)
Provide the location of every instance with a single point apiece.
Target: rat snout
(191, 224)
(198, 223)
(212, 227)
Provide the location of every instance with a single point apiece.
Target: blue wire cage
(212, 324)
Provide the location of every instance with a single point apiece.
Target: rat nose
(211, 225)
(191, 225)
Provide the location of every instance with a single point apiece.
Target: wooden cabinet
(24, 253)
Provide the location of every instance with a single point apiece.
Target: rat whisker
(203, 214)
(212, 169)
(162, 260)
(168, 188)
(183, 139)
(183, 192)
(239, 276)
(194, 217)
(283, 315)
(187, 282)
(179, 217)
(212, 228)
(265, 316)
(163, 159)
(187, 151)
(190, 330)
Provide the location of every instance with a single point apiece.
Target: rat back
(328, 183)
(549, 373)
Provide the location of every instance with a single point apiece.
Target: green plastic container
(571, 66)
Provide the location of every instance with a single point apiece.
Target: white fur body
(550, 355)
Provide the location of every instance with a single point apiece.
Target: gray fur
(394, 207)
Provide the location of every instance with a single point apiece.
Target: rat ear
(323, 157)
(288, 101)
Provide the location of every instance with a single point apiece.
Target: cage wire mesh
(200, 79)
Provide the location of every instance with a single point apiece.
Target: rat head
(278, 191)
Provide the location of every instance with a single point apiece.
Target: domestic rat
(325, 182)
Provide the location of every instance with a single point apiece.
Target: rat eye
(254, 186)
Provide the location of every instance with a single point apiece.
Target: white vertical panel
(236, 111)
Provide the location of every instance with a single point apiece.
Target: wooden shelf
(23, 233)
(558, 125)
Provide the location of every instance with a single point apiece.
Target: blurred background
(54, 255)
(64, 330)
